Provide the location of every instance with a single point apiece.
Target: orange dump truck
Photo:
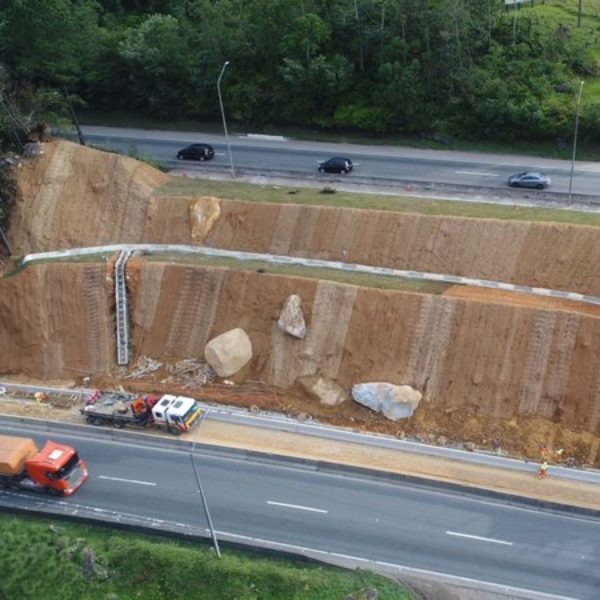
(55, 469)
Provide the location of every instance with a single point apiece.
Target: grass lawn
(187, 186)
(42, 560)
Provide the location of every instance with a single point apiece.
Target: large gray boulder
(229, 352)
(394, 401)
(291, 319)
(325, 390)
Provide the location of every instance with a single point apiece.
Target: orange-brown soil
(497, 369)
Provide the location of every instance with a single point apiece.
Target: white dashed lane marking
(297, 507)
(137, 482)
(479, 538)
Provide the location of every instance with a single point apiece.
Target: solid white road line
(127, 480)
(479, 538)
(318, 510)
(480, 173)
(444, 577)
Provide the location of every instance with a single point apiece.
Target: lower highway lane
(421, 527)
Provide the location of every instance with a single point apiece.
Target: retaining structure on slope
(311, 262)
(121, 308)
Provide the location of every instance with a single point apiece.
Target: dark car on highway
(196, 152)
(337, 164)
(529, 179)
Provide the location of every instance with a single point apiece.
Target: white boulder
(394, 401)
(229, 352)
(204, 213)
(325, 390)
(291, 319)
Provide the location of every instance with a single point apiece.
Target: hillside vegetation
(75, 561)
(466, 68)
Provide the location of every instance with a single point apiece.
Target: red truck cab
(58, 468)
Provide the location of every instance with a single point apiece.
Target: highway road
(377, 162)
(356, 519)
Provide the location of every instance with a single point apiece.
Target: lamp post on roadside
(225, 64)
(575, 140)
(204, 502)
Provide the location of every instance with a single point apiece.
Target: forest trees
(461, 67)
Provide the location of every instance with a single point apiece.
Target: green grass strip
(43, 560)
(247, 192)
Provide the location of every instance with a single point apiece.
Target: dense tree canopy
(460, 67)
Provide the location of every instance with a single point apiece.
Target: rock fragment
(395, 402)
(229, 352)
(323, 389)
(291, 319)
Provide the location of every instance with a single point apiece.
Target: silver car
(529, 179)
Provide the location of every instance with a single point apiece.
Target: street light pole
(204, 502)
(225, 64)
(575, 140)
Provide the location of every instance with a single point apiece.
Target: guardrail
(401, 185)
(286, 424)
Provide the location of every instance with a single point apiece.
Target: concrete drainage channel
(311, 263)
(127, 250)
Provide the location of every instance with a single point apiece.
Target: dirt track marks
(536, 362)
(96, 309)
(322, 349)
(59, 171)
(194, 313)
(431, 342)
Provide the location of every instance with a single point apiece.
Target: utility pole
(74, 117)
(223, 117)
(579, 13)
(575, 140)
(205, 503)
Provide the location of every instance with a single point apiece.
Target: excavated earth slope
(491, 366)
(492, 363)
(76, 196)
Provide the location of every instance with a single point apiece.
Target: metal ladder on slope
(121, 308)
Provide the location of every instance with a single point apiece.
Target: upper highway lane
(385, 162)
(421, 527)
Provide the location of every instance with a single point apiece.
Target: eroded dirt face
(485, 375)
(500, 370)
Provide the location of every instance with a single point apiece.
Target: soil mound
(75, 196)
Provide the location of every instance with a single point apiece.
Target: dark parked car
(529, 179)
(336, 164)
(196, 152)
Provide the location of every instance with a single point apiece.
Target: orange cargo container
(55, 469)
(14, 452)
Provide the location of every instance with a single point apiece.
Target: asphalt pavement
(400, 528)
(273, 153)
